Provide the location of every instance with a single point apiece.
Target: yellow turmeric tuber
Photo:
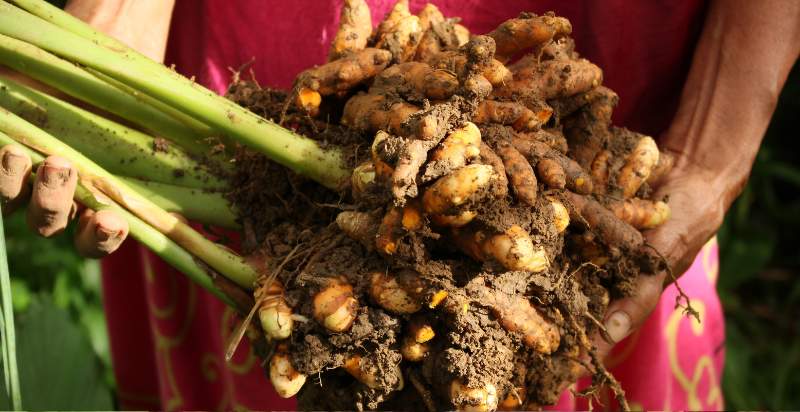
(599, 170)
(638, 165)
(373, 112)
(345, 73)
(358, 367)
(511, 113)
(363, 179)
(400, 32)
(514, 400)
(560, 214)
(641, 213)
(551, 173)
(286, 380)
(429, 16)
(577, 179)
(513, 248)
(395, 224)
(427, 82)
(461, 146)
(273, 313)
(553, 79)
(355, 28)
(397, 294)
(457, 220)
(383, 171)
(360, 226)
(334, 306)
(490, 158)
(457, 188)
(611, 230)
(528, 31)
(483, 399)
(456, 61)
(413, 351)
(520, 173)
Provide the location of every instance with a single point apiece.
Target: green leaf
(58, 369)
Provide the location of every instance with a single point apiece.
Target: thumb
(628, 314)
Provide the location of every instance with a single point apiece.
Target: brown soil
(289, 222)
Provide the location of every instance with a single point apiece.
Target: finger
(51, 200)
(626, 315)
(15, 167)
(100, 233)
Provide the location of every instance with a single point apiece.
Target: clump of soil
(517, 337)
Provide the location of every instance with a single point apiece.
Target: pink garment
(168, 337)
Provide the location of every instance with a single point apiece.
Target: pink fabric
(168, 336)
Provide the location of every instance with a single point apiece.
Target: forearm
(742, 60)
(141, 24)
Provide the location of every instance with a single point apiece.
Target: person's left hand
(697, 212)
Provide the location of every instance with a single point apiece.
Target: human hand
(51, 205)
(698, 205)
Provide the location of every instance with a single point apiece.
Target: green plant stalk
(194, 204)
(9, 334)
(296, 152)
(142, 110)
(93, 176)
(117, 148)
(154, 240)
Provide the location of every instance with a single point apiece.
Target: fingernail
(102, 235)
(618, 326)
(54, 176)
(13, 163)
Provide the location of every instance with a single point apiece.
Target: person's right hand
(51, 205)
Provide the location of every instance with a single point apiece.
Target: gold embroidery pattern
(703, 367)
(710, 260)
(164, 343)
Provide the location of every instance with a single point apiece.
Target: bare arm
(141, 24)
(744, 55)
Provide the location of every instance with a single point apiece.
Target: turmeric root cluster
(494, 213)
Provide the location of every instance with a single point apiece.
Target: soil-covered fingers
(100, 233)
(626, 315)
(15, 167)
(51, 206)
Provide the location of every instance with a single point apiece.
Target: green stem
(9, 334)
(154, 240)
(296, 152)
(118, 149)
(91, 175)
(196, 205)
(140, 109)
